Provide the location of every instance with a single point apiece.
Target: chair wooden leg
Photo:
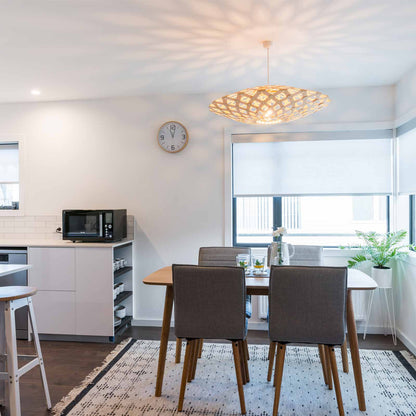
(328, 368)
(237, 365)
(270, 349)
(245, 362)
(272, 352)
(201, 344)
(333, 364)
(276, 359)
(344, 355)
(243, 367)
(191, 362)
(246, 350)
(195, 358)
(278, 376)
(321, 349)
(178, 350)
(185, 372)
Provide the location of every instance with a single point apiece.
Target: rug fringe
(64, 402)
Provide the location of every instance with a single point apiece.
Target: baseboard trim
(258, 326)
(149, 322)
(75, 338)
(262, 326)
(372, 329)
(158, 323)
(406, 341)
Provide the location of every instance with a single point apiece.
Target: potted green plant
(381, 249)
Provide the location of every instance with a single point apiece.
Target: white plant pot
(383, 277)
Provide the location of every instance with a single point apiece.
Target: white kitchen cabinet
(75, 288)
(94, 294)
(53, 268)
(55, 312)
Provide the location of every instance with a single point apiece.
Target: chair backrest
(307, 256)
(304, 256)
(220, 256)
(209, 302)
(307, 304)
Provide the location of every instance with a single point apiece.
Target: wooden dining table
(357, 280)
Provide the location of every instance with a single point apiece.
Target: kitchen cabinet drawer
(52, 268)
(55, 312)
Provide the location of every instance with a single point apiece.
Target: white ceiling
(82, 49)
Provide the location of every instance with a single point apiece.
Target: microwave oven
(106, 225)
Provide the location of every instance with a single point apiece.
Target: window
(322, 191)
(9, 176)
(322, 220)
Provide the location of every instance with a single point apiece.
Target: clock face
(172, 137)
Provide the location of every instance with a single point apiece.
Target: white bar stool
(11, 299)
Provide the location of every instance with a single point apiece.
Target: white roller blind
(407, 163)
(313, 167)
(9, 163)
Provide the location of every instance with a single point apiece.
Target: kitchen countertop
(56, 243)
(6, 269)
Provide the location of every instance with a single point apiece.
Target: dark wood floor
(67, 363)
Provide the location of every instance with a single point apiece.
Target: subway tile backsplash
(41, 227)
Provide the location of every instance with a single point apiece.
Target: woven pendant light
(269, 104)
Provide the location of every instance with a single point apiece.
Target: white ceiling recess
(87, 49)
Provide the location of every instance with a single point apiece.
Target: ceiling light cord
(267, 44)
(268, 66)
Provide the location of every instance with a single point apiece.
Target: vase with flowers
(280, 252)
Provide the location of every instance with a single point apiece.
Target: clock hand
(172, 130)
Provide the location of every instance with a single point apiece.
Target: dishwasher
(16, 256)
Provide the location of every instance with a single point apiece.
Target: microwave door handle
(101, 224)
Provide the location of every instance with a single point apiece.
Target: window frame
(6, 139)
(412, 221)
(278, 219)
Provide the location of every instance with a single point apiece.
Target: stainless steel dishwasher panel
(16, 256)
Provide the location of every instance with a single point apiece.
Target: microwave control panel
(108, 225)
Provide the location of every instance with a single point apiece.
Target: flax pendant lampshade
(269, 104)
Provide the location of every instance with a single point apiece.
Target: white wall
(405, 102)
(405, 299)
(104, 154)
(405, 276)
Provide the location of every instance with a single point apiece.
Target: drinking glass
(243, 260)
(258, 264)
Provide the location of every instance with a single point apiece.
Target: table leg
(355, 353)
(4, 397)
(167, 314)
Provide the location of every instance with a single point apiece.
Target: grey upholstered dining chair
(198, 315)
(307, 305)
(306, 255)
(218, 256)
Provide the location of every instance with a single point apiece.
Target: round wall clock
(172, 137)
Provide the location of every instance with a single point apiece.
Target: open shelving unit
(124, 275)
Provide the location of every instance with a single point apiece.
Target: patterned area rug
(124, 385)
